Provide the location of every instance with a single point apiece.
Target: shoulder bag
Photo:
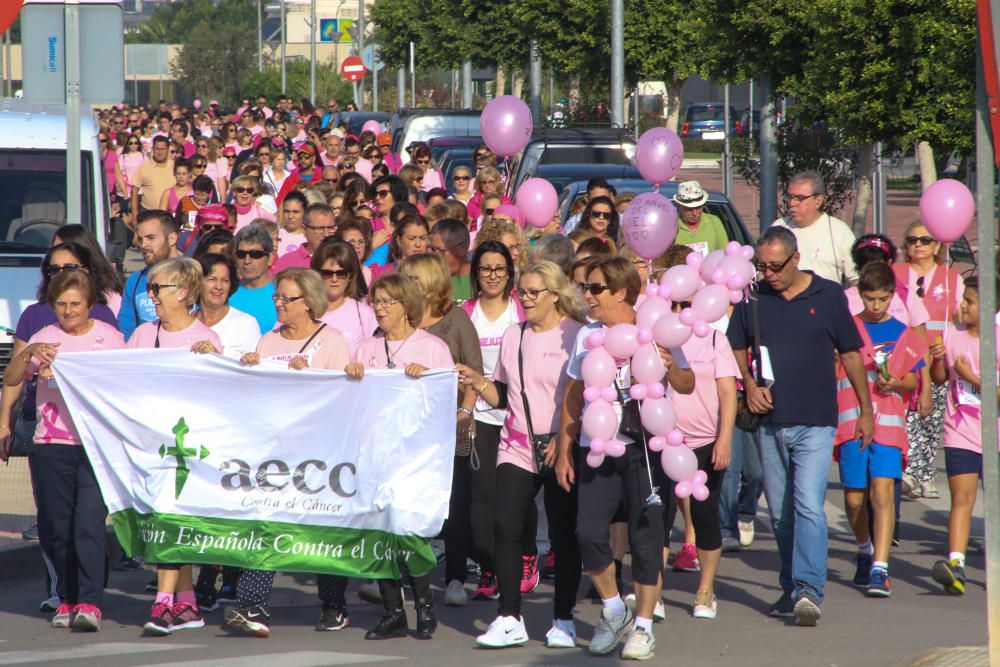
(539, 443)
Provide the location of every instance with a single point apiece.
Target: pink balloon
(644, 336)
(679, 463)
(512, 211)
(594, 339)
(735, 296)
(591, 394)
(372, 126)
(675, 438)
(652, 289)
(598, 446)
(733, 249)
(682, 489)
(600, 420)
(615, 448)
(649, 224)
(737, 266)
(197, 104)
(637, 391)
(598, 368)
(710, 304)
(658, 416)
(682, 281)
(659, 154)
(710, 263)
(657, 444)
(609, 394)
(701, 329)
(947, 209)
(594, 460)
(693, 259)
(622, 340)
(655, 390)
(665, 293)
(687, 317)
(718, 276)
(699, 492)
(646, 365)
(538, 200)
(748, 252)
(506, 125)
(735, 283)
(670, 332)
(699, 477)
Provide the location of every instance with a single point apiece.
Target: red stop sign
(8, 12)
(353, 68)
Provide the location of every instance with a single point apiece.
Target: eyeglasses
(490, 181)
(601, 215)
(489, 211)
(640, 264)
(498, 271)
(285, 300)
(801, 198)
(264, 154)
(514, 248)
(764, 267)
(382, 194)
(154, 288)
(252, 254)
(920, 286)
(55, 269)
(384, 303)
(424, 161)
(531, 294)
(339, 274)
(920, 240)
(202, 145)
(594, 288)
(230, 157)
(244, 191)
(461, 178)
(322, 229)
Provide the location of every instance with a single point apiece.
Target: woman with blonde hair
(488, 182)
(454, 327)
(245, 190)
(507, 233)
(530, 380)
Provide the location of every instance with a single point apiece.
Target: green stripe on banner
(271, 545)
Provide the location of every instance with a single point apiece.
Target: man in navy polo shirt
(804, 322)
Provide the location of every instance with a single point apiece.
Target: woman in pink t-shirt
(173, 286)
(245, 190)
(530, 381)
(128, 163)
(399, 343)
(71, 511)
(337, 264)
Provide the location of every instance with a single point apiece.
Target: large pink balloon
(649, 224)
(682, 280)
(679, 463)
(372, 126)
(737, 266)
(710, 303)
(711, 263)
(947, 209)
(646, 365)
(506, 125)
(538, 201)
(658, 416)
(622, 340)
(670, 332)
(600, 420)
(652, 309)
(659, 154)
(598, 368)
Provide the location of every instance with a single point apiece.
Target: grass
(703, 156)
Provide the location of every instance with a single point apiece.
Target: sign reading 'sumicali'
(202, 460)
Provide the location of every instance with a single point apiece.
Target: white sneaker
(504, 632)
(659, 611)
(50, 604)
(611, 630)
(437, 546)
(562, 634)
(455, 595)
(746, 533)
(705, 605)
(639, 645)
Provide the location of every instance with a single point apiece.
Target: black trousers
(483, 473)
(602, 490)
(71, 516)
(392, 592)
(704, 513)
(458, 524)
(515, 528)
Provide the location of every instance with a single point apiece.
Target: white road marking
(295, 659)
(91, 651)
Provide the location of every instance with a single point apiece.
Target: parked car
(610, 146)
(356, 119)
(457, 156)
(439, 145)
(409, 125)
(706, 120)
(561, 175)
(717, 204)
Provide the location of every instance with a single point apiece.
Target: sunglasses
(425, 161)
(264, 153)
(594, 288)
(230, 157)
(764, 267)
(462, 178)
(211, 228)
(601, 215)
(339, 274)
(920, 287)
(154, 288)
(55, 269)
(489, 211)
(920, 240)
(252, 254)
(244, 191)
(382, 194)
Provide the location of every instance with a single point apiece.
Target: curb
(700, 164)
(19, 562)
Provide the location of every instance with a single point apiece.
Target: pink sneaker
(529, 573)
(686, 559)
(185, 616)
(86, 618)
(62, 616)
(487, 588)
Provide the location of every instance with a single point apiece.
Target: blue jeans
(796, 464)
(741, 485)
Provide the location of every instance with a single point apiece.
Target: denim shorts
(859, 466)
(962, 462)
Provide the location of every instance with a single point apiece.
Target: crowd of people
(277, 236)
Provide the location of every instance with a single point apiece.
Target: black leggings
(704, 513)
(483, 490)
(458, 524)
(515, 528)
(602, 490)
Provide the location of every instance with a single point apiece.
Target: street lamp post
(284, 40)
(312, 52)
(618, 63)
(260, 39)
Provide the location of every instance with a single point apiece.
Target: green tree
(216, 60)
(268, 83)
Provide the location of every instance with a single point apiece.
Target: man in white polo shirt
(824, 241)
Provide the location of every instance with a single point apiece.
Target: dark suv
(706, 120)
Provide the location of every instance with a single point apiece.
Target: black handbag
(539, 443)
(746, 420)
(22, 431)
(631, 423)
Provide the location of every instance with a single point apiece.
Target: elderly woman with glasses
(245, 191)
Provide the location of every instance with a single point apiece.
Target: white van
(33, 199)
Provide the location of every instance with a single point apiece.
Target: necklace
(390, 364)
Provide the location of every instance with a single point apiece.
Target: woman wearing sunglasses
(923, 273)
(128, 163)
(432, 178)
(245, 191)
(488, 182)
(337, 264)
(600, 218)
(461, 185)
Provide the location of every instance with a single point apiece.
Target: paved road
(854, 631)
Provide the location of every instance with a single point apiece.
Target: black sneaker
(393, 624)
(862, 573)
(127, 563)
(783, 608)
(207, 596)
(806, 609)
(227, 595)
(950, 575)
(332, 619)
(252, 620)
